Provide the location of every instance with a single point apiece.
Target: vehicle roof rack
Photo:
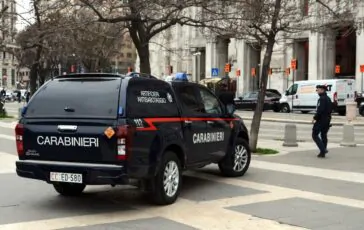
(75, 75)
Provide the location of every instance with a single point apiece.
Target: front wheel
(68, 189)
(167, 182)
(237, 163)
(285, 108)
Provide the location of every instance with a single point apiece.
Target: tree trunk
(34, 70)
(254, 130)
(143, 53)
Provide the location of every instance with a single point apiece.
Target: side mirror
(286, 93)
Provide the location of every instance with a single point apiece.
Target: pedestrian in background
(322, 120)
(227, 98)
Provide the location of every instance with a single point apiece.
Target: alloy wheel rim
(240, 158)
(171, 178)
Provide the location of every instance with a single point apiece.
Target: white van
(303, 97)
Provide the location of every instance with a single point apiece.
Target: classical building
(318, 54)
(8, 62)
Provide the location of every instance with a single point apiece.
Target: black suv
(95, 129)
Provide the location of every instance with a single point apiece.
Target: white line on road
(310, 171)
(7, 162)
(8, 137)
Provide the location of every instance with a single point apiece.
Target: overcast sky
(23, 9)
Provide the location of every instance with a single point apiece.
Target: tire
(361, 111)
(227, 165)
(160, 196)
(305, 112)
(68, 189)
(285, 108)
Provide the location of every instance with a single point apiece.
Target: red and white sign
(362, 68)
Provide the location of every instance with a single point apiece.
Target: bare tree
(268, 22)
(61, 35)
(144, 19)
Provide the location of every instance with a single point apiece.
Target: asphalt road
(290, 191)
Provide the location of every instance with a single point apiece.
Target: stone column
(211, 56)
(241, 63)
(288, 56)
(329, 59)
(359, 58)
(222, 57)
(313, 54)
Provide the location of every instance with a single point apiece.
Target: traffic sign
(362, 68)
(253, 72)
(215, 72)
(227, 68)
(337, 69)
(294, 64)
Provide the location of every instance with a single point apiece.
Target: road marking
(10, 125)
(8, 137)
(7, 164)
(310, 171)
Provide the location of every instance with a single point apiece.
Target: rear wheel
(237, 163)
(167, 182)
(68, 189)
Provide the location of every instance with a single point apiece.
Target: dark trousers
(321, 128)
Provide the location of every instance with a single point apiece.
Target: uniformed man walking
(322, 120)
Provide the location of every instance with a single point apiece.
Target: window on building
(120, 63)
(13, 77)
(129, 55)
(4, 55)
(122, 55)
(113, 63)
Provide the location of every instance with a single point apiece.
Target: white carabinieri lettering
(200, 138)
(151, 97)
(68, 141)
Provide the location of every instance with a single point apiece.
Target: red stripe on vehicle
(151, 121)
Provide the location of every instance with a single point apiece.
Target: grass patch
(2, 116)
(264, 151)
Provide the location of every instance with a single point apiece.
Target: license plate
(66, 177)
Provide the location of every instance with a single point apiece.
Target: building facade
(126, 58)
(328, 54)
(8, 61)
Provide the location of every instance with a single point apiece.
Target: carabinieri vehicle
(97, 129)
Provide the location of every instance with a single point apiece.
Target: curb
(355, 123)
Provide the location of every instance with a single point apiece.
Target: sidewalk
(297, 118)
(302, 146)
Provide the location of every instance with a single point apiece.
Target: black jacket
(324, 108)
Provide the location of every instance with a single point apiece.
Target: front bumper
(93, 174)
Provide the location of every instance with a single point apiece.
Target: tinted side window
(253, 96)
(210, 102)
(188, 100)
(150, 98)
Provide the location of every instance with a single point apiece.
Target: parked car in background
(361, 109)
(249, 101)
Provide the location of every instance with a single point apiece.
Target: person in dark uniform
(227, 98)
(322, 120)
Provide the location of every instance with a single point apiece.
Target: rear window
(150, 98)
(76, 98)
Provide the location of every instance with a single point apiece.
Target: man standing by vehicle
(2, 93)
(227, 98)
(322, 120)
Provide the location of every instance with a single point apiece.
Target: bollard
(290, 135)
(348, 136)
